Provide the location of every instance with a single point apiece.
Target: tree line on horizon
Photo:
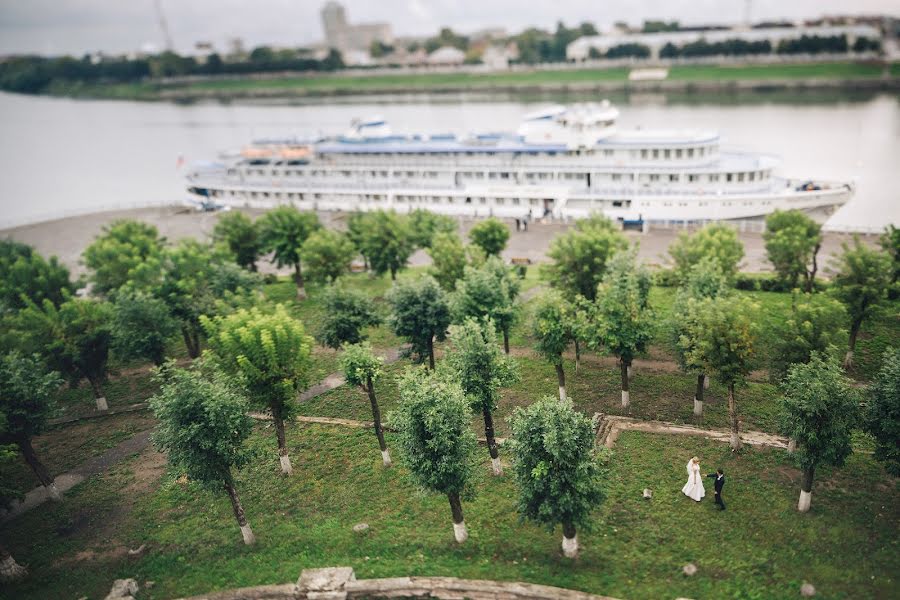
(143, 290)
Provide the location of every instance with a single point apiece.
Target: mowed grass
(759, 548)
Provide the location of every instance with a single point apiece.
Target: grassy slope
(759, 548)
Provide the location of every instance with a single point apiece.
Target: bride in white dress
(693, 489)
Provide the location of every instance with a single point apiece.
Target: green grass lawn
(759, 548)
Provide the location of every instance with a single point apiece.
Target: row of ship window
(735, 177)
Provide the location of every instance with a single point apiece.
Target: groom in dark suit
(720, 483)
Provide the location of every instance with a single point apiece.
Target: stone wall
(340, 583)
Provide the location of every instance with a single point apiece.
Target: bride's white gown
(693, 489)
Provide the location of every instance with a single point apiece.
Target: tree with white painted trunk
(203, 424)
(435, 439)
(73, 339)
(362, 369)
(282, 231)
(271, 355)
(622, 320)
(476, 361)
(819, 410)
(882, 417)
(558, 472)
(488, 291)
(861, 278)
(704, 280)
(554, 330)
(724, 333)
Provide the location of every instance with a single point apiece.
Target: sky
(55, 27)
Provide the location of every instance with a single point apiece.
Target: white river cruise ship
(563, 163)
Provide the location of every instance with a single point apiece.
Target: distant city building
(202, 52)
(236, 50)
(581, 48)
(446, 56)
(344, 37)
(496, 57)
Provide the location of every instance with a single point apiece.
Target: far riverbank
(67, 238)
(687, 79)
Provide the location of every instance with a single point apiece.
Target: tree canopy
(817, 323)
(580, 256)
(882, 415)
(448, 259)
(420, 313)
(122, 247)
(490, 235)
(717, 241)
(347, 313)
(241, 236)
(792, 241)
(327, 254)
(25, 273)
(387, 242)
(489, 291)
(425, 225)
(141, 326)
(282, 232)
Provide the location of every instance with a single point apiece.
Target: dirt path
(610, 427)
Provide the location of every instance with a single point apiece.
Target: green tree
(792, 243)
(241, 236)
(489, 291)
(558, 475)
(141, 326)
(362, 369)
(554, 329)
(724, 338)
(716, 240)
(347, 313)
(490, 235)
(817, 323)
(424, 225)
(705, 280)
(122, 247)
(890, 243)
(357, 226)
(883, 411)
(203, 424)
(27, 394)
(819, 410)
(861, 279)
(477, 363)
(73, 339)
(580, 256)
(448, 259)
(623, 321)
(25, 273)
(435, 439)
(282, 232)
(271, 354)
(327, 254)
(387, 242)
(420, 313)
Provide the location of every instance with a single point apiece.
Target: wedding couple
(694, 490)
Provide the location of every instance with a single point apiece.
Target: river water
(63, 156)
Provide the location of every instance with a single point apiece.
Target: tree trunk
(39, 469)
(570, 541)
(577, 354)
(246, 532)
(806, 489)
(191, 341)
(625, 397)
(854, 331)
(376, 418)
(506, 341)
(393, 274)
(431, 352)
(98, 394)
(491, 441)
(10, 570)
(792, 446)
(459, 525)
(561, 376)
(698, 395)
(282, 444)
(811, 274)
(298, 280)
(732, 414)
